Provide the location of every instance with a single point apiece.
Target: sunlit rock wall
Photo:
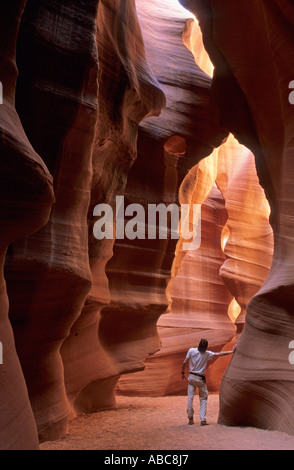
(199, 305)
(247, 237)
(255, 70)
(168, 148)
(108, 104)
(210, 288)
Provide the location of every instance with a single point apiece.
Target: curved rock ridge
(26, 197)
(255, 70)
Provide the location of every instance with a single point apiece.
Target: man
(198, 358)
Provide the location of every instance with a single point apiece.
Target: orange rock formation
(119, 98)
(26, 197)
(254, 71)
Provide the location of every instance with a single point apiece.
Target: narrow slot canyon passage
(146, 203)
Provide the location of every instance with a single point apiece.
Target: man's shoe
(191, 421)
(204, 423)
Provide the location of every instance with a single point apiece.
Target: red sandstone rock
(103, 344)
(199, 306)
(64, 286)
(48, 274)
(26, 197)
(197, 294)
(168, 148)
(247, 236)
(251, 50)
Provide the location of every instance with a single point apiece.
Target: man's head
(203, 343)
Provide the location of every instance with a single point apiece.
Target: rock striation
(236, 243)
(198, 306)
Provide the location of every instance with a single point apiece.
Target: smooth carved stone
(26, 197)
(169, 146)
(198, 308)
(106, 342)
(254, 70)
(247, 236)
(48, 274)
(199, 300)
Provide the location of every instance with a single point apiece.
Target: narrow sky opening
(175, 4)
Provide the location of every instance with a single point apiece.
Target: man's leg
(203, 395)
(191, 393)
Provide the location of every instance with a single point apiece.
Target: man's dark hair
(203, 343)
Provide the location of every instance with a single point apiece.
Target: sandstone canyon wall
(211, 286)
(200, 301)
(169, 147)
(26, 197)
(49, 274)
(108, 101)
(107, 341)
(255, 70)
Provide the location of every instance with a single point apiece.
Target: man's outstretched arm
(224, 353)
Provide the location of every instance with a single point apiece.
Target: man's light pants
(193, 383)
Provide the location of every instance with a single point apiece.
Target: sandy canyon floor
(141, 423)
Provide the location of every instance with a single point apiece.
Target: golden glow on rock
(234, 310)
(225, 236)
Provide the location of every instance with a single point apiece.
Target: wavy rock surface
(48, 274)
(255, 70)
(128, 92)
(168, 148)
(199, 306)
(199, 298)
(26, 197)
(63, 284)
(211, 287)
(247, 237)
